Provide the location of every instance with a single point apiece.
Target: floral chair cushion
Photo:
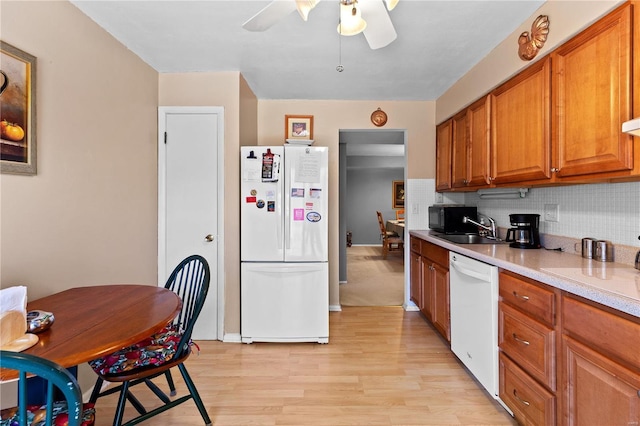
(37, 415)
(152, 351)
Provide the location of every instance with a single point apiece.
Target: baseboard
(335, 308)
(410, 307)
(232, 338)
(87, 395)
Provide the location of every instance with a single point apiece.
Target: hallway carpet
(372, 280)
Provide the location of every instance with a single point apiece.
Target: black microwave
(447, 218)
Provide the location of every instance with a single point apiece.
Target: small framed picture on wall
(398, 194)
(298, 127)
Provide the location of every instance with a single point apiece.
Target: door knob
(208, 238)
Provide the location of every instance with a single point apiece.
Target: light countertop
(612, 284)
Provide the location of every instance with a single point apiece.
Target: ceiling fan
(370, 17)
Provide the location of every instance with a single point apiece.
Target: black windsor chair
(190, 281)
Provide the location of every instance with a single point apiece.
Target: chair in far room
(390, 240)
(156, 355)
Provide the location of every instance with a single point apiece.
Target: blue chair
(160, 352)
(55, 377)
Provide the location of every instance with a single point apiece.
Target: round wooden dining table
(94, 321)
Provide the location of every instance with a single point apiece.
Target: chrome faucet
(493, 234)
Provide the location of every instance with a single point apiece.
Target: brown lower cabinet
(531, 403)
(527, 342)
(600, 358)
(563, 359)
(566, 360)
(430, 283)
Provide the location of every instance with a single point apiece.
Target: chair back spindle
(190, 281)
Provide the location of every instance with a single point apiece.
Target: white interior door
(190, 175)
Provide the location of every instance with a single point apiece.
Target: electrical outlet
(439, 197)
(415, 208)
(551, 213)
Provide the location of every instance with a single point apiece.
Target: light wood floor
(372, 280)
(382, 366)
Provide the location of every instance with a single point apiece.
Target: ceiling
(380, 149)
(438, 42)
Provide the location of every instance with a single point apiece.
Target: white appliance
(632, 127)
(284, 283)
(474, 318)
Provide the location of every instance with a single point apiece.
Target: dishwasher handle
(470, 272)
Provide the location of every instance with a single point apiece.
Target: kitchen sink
(468, 239)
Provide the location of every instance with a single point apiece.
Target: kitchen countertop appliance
(447, 218)
(525, 231)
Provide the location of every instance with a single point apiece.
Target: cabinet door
(444, 133)
(598, 390)
(416, 278)
(440, 312)
(520, 126)
(592, 98)
(460, 151)
(479, 119)
(427, 288)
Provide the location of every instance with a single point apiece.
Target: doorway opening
(370, 162)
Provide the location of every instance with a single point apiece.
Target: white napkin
(14, 299)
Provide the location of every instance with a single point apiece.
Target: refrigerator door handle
(287, 215)
(279, 212)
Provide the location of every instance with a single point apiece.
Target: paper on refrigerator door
(252, 169)
(308, 167)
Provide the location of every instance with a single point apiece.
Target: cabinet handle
(525, 298)
(555, 169)
(527, 403)
(517, 339)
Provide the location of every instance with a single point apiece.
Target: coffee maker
(524, 233)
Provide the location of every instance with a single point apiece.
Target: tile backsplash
(602, 211)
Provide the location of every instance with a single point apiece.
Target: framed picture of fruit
(17, 111)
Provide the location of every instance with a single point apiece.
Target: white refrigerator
(284, 282)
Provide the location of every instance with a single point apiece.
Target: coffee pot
(524, 232)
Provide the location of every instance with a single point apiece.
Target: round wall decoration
(379, 117)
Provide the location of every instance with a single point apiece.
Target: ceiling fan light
(305, 6)
(391, 4)
(351, 22)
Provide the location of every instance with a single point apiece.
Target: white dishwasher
(474, 317)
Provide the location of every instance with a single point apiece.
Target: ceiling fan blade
(380, 31)
(271, 14)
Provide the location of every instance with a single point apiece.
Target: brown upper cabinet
(557, 121)
(444, 133)
(470, 146)
(520, 126)
(592, 97)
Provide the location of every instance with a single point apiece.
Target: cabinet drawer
(416, 244)
(529, 297)
(529, 343)
(436, 253)
(530, 402)
(610, 333)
